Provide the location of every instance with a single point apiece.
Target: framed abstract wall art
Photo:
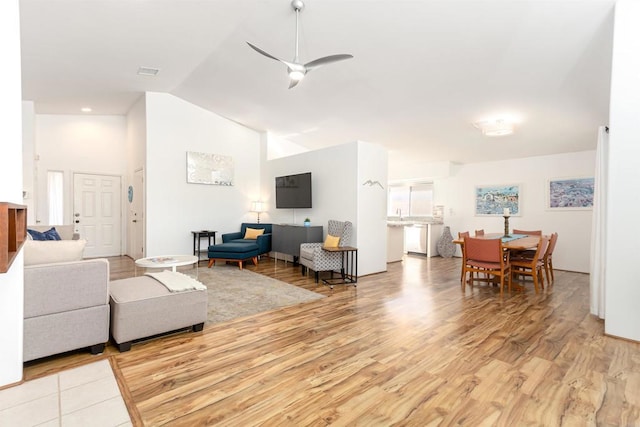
(570, 193)
(494, 200)
(213, 169)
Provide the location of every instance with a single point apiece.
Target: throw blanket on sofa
(177, 282)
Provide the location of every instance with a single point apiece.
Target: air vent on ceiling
(148, 71)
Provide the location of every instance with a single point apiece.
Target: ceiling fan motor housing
(297, 5)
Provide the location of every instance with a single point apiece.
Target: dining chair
(523, 265)
(548, 258)
(462, 235)
(528, 232)
(486, 256)
(479, 232)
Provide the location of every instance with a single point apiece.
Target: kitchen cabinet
(395, 243)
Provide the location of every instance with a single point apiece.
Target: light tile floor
(84, 396)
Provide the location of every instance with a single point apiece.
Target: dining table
(512, 242)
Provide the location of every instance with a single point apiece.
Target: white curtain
(598, 226)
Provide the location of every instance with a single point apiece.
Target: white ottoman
(142, 307)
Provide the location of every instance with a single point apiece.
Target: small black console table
(286, 238)
(202, 234)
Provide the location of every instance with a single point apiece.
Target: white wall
(77, 144)
(11, 282)
(28, 153)
(338, 194)
(372, 208)
(280, 147)
(175, 208)
(622, 291)
(456, 193)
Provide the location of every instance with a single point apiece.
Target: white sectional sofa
(66, 298)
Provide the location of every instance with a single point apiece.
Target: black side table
(349, 266)
(200, 234)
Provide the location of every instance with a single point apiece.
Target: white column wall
(175, 208)
(11, 282)
(28, 153)
(372, 208)
(136, 160)
(622, 292)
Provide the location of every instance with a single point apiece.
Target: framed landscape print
(492, 200)
(213, 169)
(570, 193)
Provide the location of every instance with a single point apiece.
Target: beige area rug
(237, 293)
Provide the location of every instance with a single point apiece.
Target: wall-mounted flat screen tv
(293, 191)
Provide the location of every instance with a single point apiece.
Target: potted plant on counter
(307, 222)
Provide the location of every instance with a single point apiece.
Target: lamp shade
(257, 206)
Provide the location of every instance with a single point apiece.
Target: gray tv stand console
(286, 238)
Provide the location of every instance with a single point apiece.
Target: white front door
(97, 213)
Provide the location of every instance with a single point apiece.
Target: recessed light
(86, 109)
(148, 71)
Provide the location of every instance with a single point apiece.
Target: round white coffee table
(166, 261)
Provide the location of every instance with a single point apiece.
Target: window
(55, 187)
(411, 200)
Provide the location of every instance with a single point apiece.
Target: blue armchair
(263, 241)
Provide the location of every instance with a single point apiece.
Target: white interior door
(136, 214)
(97, 213)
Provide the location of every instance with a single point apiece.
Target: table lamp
(257, 207)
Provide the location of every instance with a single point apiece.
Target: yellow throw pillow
(253, 233)
(331, 241)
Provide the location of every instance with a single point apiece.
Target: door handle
(77, 221)
(135, 220)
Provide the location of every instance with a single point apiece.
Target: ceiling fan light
(296, 75)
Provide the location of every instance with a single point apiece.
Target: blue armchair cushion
(263, 241)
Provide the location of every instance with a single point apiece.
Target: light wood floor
(407, 347)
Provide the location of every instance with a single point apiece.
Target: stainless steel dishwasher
(416, 237)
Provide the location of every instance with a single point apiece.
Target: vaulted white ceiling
(422, 71)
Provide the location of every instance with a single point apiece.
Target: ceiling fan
(295, 68)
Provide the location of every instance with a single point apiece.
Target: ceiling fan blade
(326, 60)
(268, 55)
(257, 49)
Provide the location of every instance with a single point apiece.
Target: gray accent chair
(66, 307)
(312, 256)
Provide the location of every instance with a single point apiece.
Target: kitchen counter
(405, 222)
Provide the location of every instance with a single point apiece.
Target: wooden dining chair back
(479, 232)
(486, 256)
(462, 235)
(522, 265)
(528, 232)
(548, 258)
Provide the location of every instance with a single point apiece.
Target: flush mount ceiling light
(498, 127)
(148, 71)
(86, 109)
